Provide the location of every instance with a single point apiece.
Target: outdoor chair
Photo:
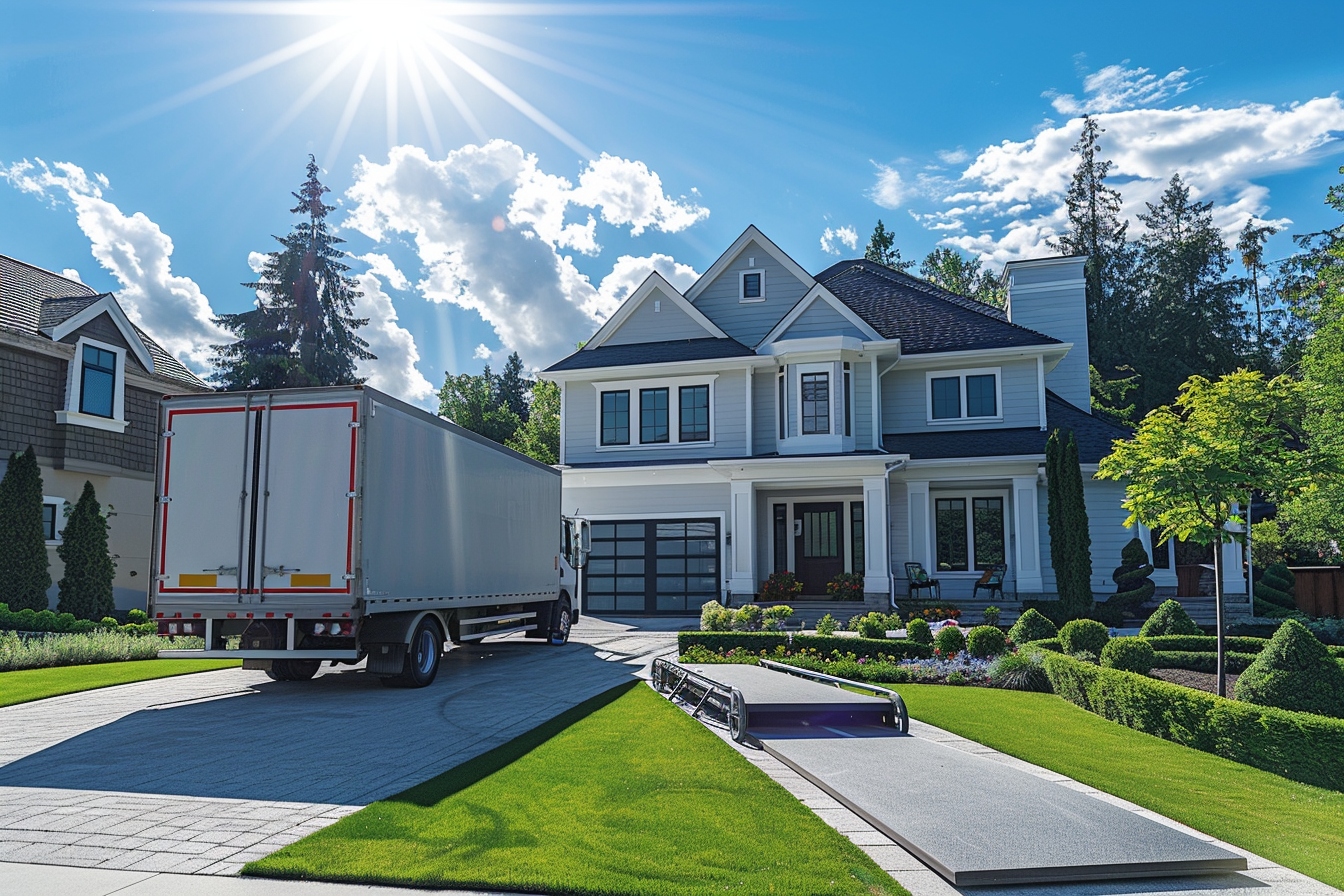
(991, 581)
(920, 580)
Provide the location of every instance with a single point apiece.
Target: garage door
(652, 566)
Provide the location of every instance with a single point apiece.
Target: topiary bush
(949, 641)
(1274, 592)
(773, 619)
(25, 573)
(1133, 587)
(992, 615)
(1128, 654)
(1032, 626)
(1295, 672)
(1083, 635)
(86, 588)
(748, 618)
(715, 617)
(1169, 619)
(827, 625)
(874, 625)
(986, 641)
(1021, 671)
(918, 632)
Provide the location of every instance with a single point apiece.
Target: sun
(390, 25)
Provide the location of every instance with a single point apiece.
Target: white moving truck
(340, 524)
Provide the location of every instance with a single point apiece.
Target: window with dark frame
(981, 397)
(816, 403)
(751, 285)
(987, 532)
(693, 419)
(849, 426)
(946, 397)
(50, 513)
(781, 537)
(615, 418)
(856, 538)
(653, 417)
(97, 381)
(950, 529)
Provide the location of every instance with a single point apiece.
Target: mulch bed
(1201, 681)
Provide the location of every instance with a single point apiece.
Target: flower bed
(755, 642)
(879, 668)
(81, 649)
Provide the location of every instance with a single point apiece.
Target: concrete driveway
(203, 773)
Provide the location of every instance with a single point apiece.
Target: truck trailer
(340, 524)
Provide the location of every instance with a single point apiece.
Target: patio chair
(920, 580)
(991, 581)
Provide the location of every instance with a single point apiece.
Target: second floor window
(694, 418)
(98, 381)
(615, 418)
(964, 396)
(653, 417)
(816, 400)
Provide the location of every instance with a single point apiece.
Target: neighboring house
(851, 421)
(81, 384)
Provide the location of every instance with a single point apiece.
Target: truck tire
(422, 657)
(561, 620)
(293, 670)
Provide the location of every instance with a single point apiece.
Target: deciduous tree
(964, 276)
(474, 402)
(539, 436)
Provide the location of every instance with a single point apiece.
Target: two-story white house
(849, 421)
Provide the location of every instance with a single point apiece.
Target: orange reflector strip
(196, 580)
(310, 580)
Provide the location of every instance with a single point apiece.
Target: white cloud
(629, 271)
(489, 226)
(889, 191)
(171, 308)
(953, 156)
(386, 269)
(1115, 87)
(482, 352)
(72, 274)
(846, 236)
(1009, 200)
(394, 371)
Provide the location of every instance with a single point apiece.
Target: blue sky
(152, 148)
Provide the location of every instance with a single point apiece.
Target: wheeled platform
(973, 820)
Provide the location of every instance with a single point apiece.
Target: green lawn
(35, 684)
(624, 794)
(1296, 825)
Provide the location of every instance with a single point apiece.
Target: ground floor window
(970, 532)
(652, 566)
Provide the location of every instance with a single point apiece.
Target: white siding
(1105, 521)
(765, 411)
(667, 324)
(820, 319)
(905, 402)
(1053, 300)
(749, 322)
(646, 500)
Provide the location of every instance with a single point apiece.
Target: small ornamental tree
(1274, 592)
(86, 587)
(25, 572)
(1133, 587)
(1070, 541)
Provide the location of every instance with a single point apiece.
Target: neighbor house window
(969, 532)
(816, 399)
(694, 417)
(50, 515)
(653, 418)
(615, 418)
(97, 381)
(965, 395)
(753, 286)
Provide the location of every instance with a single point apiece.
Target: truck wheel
(294, 670)
(560, 624)
(422, 657)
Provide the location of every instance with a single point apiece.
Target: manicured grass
(1296, 825)
(35, 684)
(625, 794)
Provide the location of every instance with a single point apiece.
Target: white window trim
(962, 374)
(673, 386)
(742, 286)
(60, 504)
(71, 415)
(968, 495)
(790, 546)
(828, 368)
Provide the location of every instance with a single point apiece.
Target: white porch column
(1026, 544)
(742, 580)
(1234, 581)
(876, 567)
(921, 545)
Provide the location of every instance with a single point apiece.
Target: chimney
(1049, 295)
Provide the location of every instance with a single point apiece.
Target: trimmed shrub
(1274, 592)
(1107, 614)
(1255, 627)
(748, 618)
(917, 631)
(1169, 618)
(1294, 672)
(1206, 643)
(1031, 626)
(1192, 661)
(1301, 746)
(136, 617)
(755, 642)
(874, 625)
(1133, 587)
(86, 588)
(992, 615)
(773, 619)
(1083, 634)
(1066, 513)
(1050, 644)
(949, 641)
(827, 625)
(25, 573)
(986, 641)
(715, 617)
(1129, 654)
(1021, 671)
(81, 649)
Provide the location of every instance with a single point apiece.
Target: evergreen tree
(513, 387)
(303, 330)
(963, 276)
(539, 436)
(1251, 248)
(1066, 516)
(24, 567)
(882, 249)
(474, 403)
(86, 587)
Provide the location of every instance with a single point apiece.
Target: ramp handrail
(898, 705)
(670, 678)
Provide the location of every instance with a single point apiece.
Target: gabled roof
(925, 317)
(39, 303)
(652, 353)
(654, 282)
(818, 293)
(1094, 435)
(726, 259)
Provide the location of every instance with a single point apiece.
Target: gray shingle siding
(102, 329)
(32, 389)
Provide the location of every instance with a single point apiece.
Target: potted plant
(845, 586)
(782, 585)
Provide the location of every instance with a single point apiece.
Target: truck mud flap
(386, 659)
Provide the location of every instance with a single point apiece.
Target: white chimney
(1049, 295)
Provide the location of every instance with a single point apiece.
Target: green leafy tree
(1189, 463)
(882, 249)
(1070, 540)
(964, 276)
(1108, 396)
(303, 331)
(85, 590)
(474, 403)
(539, 436)
(25, 572)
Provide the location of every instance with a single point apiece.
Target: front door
(819, 543)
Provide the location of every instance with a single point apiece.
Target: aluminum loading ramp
(973, 820)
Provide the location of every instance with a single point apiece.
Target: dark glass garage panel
(653, 566)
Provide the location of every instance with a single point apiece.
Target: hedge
(1209, 644)
(1297, 745)
(1050, 644)
(755, 642)
(1201, 661)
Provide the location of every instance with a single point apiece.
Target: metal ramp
(973, 820)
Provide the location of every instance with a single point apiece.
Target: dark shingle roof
(33, 300)
(652, 353)
(1094, 435)
(926, 318)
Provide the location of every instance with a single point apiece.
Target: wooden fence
(1319, 590)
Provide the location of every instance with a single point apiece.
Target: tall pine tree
(303, 331)
(86, 586)
(882, 249)
(1066, 517)
(25, 572)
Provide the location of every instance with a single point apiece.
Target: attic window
(96, 387)
(98, 381)
(753, 286)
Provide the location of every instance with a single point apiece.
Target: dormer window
(96, 387)
(752, 286)
(97, 381)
